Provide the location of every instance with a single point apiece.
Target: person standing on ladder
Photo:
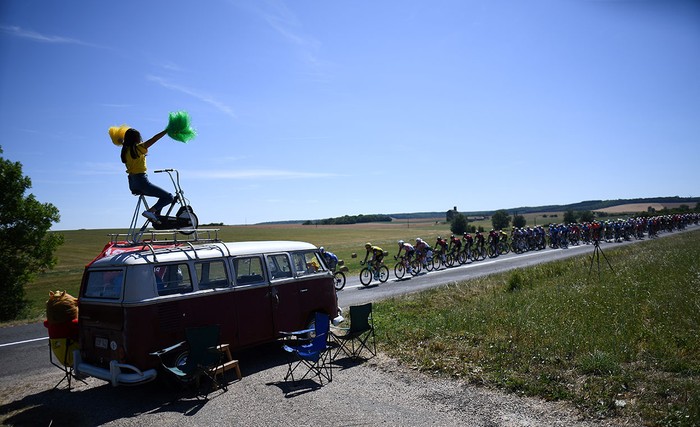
(133, 155)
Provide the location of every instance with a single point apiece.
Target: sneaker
(151, 216)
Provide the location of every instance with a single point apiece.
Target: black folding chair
(359, 336)
(199, 356)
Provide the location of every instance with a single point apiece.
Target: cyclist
(440, 249)
(480, 240)
(503, 236)
(377, 257)
(408, 249)
(330, 258)
(441, 245)
(493, 240)
(423, 250)
(455, 245)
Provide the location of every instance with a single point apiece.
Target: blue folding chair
(314, 356)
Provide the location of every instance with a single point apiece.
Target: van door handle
(303, 290)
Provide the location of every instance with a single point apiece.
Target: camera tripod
(597, 251)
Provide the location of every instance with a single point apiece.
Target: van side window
(248, 270)
(279, 267)
(173, 279)
(211, 274)
(307, 262)
(104, 284)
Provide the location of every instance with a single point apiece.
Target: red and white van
(137, 300)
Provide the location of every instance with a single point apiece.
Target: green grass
(626, 344)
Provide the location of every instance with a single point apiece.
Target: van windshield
(104, 284)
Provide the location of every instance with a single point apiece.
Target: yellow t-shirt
(137, 165)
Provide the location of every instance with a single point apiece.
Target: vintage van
(135, 300)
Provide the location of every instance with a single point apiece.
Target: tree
(449, 215)
(569, 217)
(26, 245)
(587, 216)
(519, 221)
(459, 224)
(500, 219)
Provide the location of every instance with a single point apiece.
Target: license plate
(101, 342)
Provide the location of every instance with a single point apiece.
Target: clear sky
(314, 109)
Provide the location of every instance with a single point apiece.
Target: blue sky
(314, 109)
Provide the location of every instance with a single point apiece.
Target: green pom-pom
(179, 127)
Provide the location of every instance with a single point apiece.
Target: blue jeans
(139, 184)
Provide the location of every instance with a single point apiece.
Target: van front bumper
(117, 374)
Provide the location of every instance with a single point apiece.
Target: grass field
(627, 344)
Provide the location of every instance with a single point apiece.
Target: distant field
(640, 207)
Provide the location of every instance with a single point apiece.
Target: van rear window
(211, 274)
(104, 284)
(173, 279)
(248, 270)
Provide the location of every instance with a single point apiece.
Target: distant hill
(588, 205)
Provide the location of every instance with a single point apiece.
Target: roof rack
(168, 237)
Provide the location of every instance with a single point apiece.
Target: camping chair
(63, 340)
(313, 355)
(360, 334)
(202, 357)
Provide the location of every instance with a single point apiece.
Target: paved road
(27, 379)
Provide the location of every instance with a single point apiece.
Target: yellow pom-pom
(117, 134)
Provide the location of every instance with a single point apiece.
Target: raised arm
(155, 138)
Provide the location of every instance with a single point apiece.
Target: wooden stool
(229, 362)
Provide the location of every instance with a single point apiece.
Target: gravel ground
(375, 392)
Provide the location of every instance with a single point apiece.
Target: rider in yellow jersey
(377, 256)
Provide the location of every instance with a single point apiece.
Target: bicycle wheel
(365, 276)
(186, 214)
(449, 260)
(383, 273)
(339, 277)
(415, 267)
(428, 264)
(399, 270)
(493, 253)
(436, 262)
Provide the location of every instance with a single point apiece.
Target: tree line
(350, 219)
